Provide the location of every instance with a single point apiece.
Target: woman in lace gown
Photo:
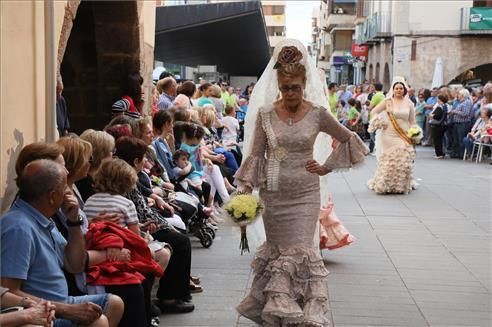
(395, 152)
(289, 287)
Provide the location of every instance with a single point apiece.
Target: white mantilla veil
(266, 92)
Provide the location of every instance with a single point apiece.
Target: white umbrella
(438, 78)
(157, 72)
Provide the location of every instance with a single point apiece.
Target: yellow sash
(397, 127)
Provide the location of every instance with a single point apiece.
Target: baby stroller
(195, 220)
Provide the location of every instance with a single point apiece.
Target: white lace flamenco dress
(395, 156)
(290, 286)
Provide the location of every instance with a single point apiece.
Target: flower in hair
(288, 56)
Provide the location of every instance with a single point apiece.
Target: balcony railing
(375, 27)
(339, 20)
(476, 20)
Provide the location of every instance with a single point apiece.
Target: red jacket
(103, 235)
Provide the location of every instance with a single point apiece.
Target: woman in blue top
(204, 99)
(204, 169)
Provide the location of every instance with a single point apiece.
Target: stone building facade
(407, 37)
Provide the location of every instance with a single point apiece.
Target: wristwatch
(77, 223)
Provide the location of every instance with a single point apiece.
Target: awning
(230, 35)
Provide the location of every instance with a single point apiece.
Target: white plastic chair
(481, 145)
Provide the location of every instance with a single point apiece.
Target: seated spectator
(185, 92)
(205, 90)
(203, 168)
(215, 96)
(27, 233)
(114, 179)
(20, 311)
(174, 287)
(478, 130)
(119, 130)
(219, 155)
(183, 169)
(231, 126)
(102, 149)
(137, 297)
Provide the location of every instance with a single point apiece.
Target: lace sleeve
(347, 154)
(252, 170)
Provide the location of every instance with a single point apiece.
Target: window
(278, 10)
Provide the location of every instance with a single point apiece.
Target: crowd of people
(102, 218)
(452, 118)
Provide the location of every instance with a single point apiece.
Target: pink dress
(332, 233)
(289, 286)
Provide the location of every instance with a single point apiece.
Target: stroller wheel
(206, 240)
(209, 230)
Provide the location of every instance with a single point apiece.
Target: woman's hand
(169, 207)
(157, 190)
(112, 254)
(159, 202)
(168, 186)
(150, 202)
(220, 158)
(170, 138)
(314, 167)
(150, 226)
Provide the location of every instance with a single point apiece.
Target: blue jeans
(468, 143)
(99, 299)
(459, 132)
(230, 161)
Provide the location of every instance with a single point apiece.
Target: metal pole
(50, 75)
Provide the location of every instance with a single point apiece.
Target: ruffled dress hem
(289, 288)
(394, 172)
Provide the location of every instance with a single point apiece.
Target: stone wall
(122, 38)
(458, 54)
(379, 53)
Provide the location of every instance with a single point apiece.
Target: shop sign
(359, 50)
(339, 60)
(481, 18)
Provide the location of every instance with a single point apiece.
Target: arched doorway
(386, 77)
(479, 74)
(377, 73)
(104, 46)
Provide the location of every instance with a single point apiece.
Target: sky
(298, 16)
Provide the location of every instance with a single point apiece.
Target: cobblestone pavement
(422, 259)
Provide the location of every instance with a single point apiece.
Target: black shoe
(176, 307)
(188, 298)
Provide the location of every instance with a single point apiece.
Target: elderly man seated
(34, 252)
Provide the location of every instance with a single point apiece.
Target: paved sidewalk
(420, 260)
